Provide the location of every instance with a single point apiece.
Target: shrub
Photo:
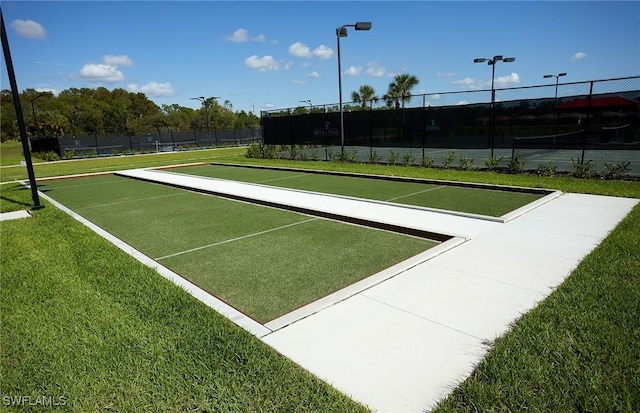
(254, 150)
(465, 163)
(427, 161)
(448, 160)
(546, 170)
(374, 158)
(393, 157)
(616, 170)
(582, 169)
(352, 156)
(69, 154)
(407, 158)
(47, 156)
(492, 163)
(516, 165)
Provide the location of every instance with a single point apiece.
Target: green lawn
(86, 321)
(455, 198)
(264, 261)
(11, 154)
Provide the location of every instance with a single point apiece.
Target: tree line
(99, 112)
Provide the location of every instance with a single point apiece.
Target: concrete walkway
(403, 341)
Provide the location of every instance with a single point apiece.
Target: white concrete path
(403, 343)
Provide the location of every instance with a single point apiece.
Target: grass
(11, 154)
(87, 322)
(470, 200)
(293, 260)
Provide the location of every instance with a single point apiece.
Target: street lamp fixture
(307, 101)
(342, 32)
(205, 104)
(555, 98)
(492, 62)
(33, 110)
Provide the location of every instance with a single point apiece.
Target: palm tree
(365, 94)
(400, 90)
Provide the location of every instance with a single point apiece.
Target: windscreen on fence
(88, 146)
(564, 123)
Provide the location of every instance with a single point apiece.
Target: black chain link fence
(90, 146)
(591, 126)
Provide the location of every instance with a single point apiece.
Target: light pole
(307, 101)
(555, 98)
(492, 62)
(33, 110)
(205, 103)
(342, 32)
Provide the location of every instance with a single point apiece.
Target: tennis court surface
(398, 340)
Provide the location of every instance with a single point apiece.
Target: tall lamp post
(33, 110)
(342, 32)
(204, 102)
(492, 62)
(555, 97)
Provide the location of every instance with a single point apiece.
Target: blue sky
(273, 54)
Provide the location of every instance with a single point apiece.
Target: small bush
(466, 164)
(69, 154)
(374, 158)
(352, 156)
(393, 157)
(616, 170)
(492, 163)
(516, 165)
(47, 156)
(254, 150)
(546, 170)
(408, 158)
(449, 160)
(582, 169)
(427, 161)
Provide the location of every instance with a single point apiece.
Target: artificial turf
(263, 261)
(481, 201)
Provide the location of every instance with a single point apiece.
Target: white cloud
(323, 52)
(120, 60)
(55, 92)
(299, 49)
(463, 102)
(239, 36)
(375, 70)
(259, 38)
(298, 82)
(353, 71)
(435, 97)
(305, 65)
(446, 74)
(471, 83)
(511, 79)
(466, 82)
(153, 89)
(101, 73)
(312, 74)
(265, 64)
(578, 56)
(29, 29)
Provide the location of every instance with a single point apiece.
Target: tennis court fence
(553, 125)
(83, 146)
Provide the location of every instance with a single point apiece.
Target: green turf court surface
(480, 201)
(263, 261)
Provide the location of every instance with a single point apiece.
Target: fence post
(95, 136)
(586, 122)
